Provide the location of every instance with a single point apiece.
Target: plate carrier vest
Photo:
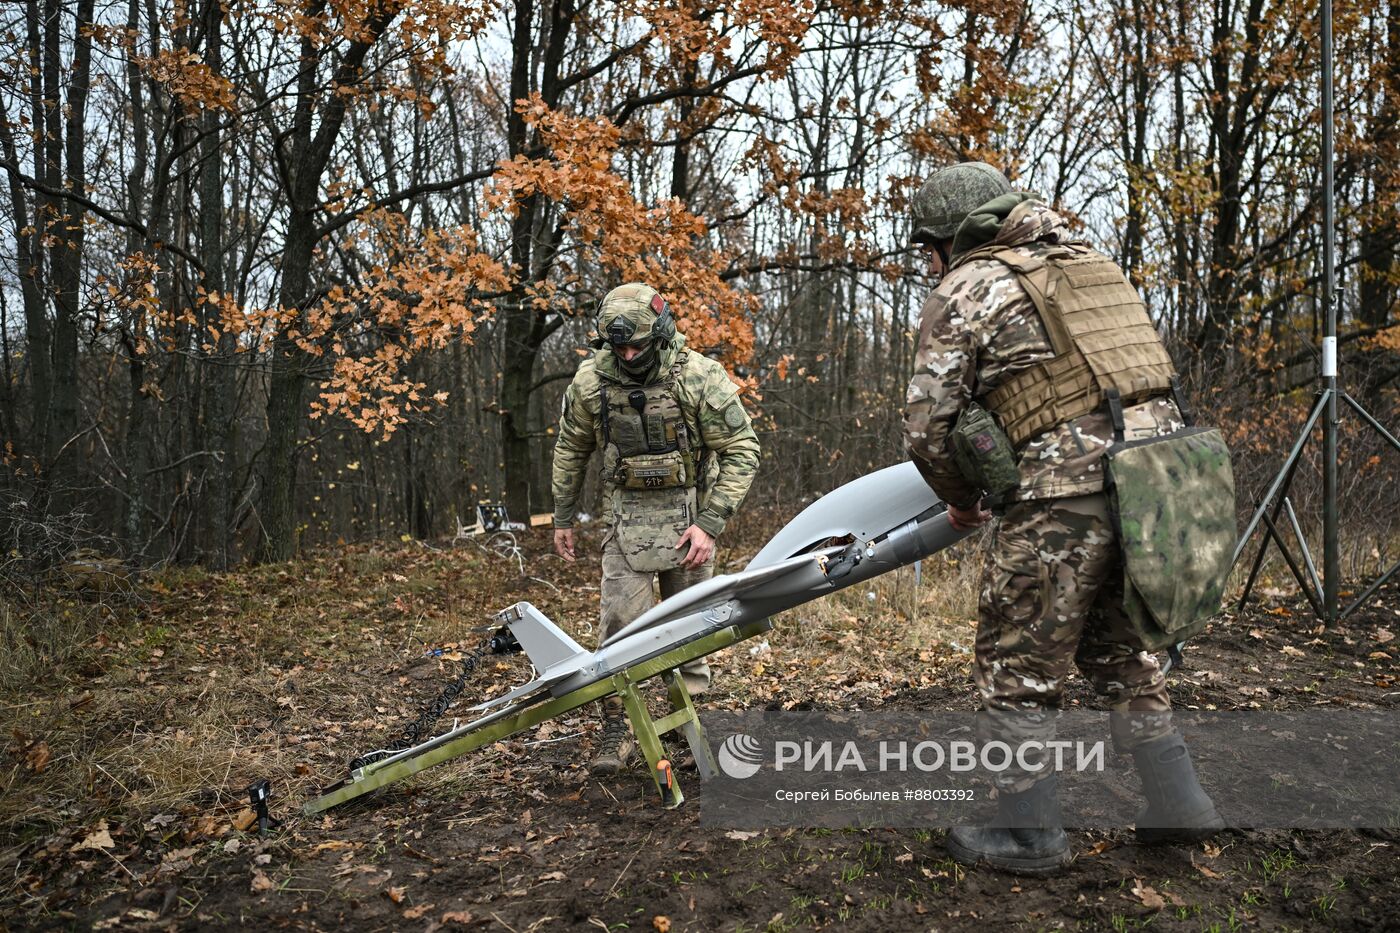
(646, 444)
(1101, 334)
(648, 470)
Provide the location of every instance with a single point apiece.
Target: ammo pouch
(649, 523)
(984, 455)
(654, 471)
(1173, 503)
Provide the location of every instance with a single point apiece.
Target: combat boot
(615, 745)
(1025, 837)
(1177, 810)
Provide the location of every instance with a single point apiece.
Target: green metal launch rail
(627, 684)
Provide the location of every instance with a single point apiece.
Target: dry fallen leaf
(662, 923)
(1207, 870)
(244, 820)
(1211, 850)
(554, 876)
(204, 826)
(463, 917)
(132, 915)
(331, 845)
(904, 858)
(1384, 635)
(413, 913)
(1150, 898)
(395, 894)
(1293, 652)
(1099, 848)
(261, 882)
(99, 838)
(38, 757)
(740, 835)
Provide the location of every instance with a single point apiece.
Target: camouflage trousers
(1052, 593)
(627, 593)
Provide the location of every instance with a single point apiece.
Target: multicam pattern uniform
(1052, 581)
(716, 422)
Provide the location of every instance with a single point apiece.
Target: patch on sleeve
(734, 416)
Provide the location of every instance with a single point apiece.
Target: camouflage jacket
(979, 328)
(714, 418)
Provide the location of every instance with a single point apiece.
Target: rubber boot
(1024, 838)
(616, 745)
(1177, 810)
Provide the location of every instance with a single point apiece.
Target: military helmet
(950, 194)
(634, 314)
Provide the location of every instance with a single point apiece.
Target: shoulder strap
(1187, 416)
(683, 436)
(1115, 413)
(603, 409)
(1035, 275)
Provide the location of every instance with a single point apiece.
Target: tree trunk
(284, 403)
(31, 283)
(1378, 239)
(521, 330)
(67, 258)
(219, 415)
(309, 154)
(1135, 138)
(136, 444)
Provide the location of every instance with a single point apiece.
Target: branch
(602, 65)
(628, 107)
(1342, 340)
(35, 185)
(427, 187)
(552, 377)
(217, 455)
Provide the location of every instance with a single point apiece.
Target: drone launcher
(868, 527)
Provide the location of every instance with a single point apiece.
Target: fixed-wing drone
(868, 527)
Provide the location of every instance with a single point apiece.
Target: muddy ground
(122, 805)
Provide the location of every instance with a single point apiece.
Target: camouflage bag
(1173, 502)
(984, 455)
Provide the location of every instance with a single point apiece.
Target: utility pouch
(648, 524)
(984, 455)
(653, 471)
(1173, 505)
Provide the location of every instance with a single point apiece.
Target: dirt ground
(122, 804)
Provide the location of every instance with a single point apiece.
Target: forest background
(276, 275)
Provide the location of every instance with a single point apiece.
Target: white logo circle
(740, 756)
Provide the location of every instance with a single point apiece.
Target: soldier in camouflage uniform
(1052, 585)
(679, 455)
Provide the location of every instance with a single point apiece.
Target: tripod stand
(1321, 592)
